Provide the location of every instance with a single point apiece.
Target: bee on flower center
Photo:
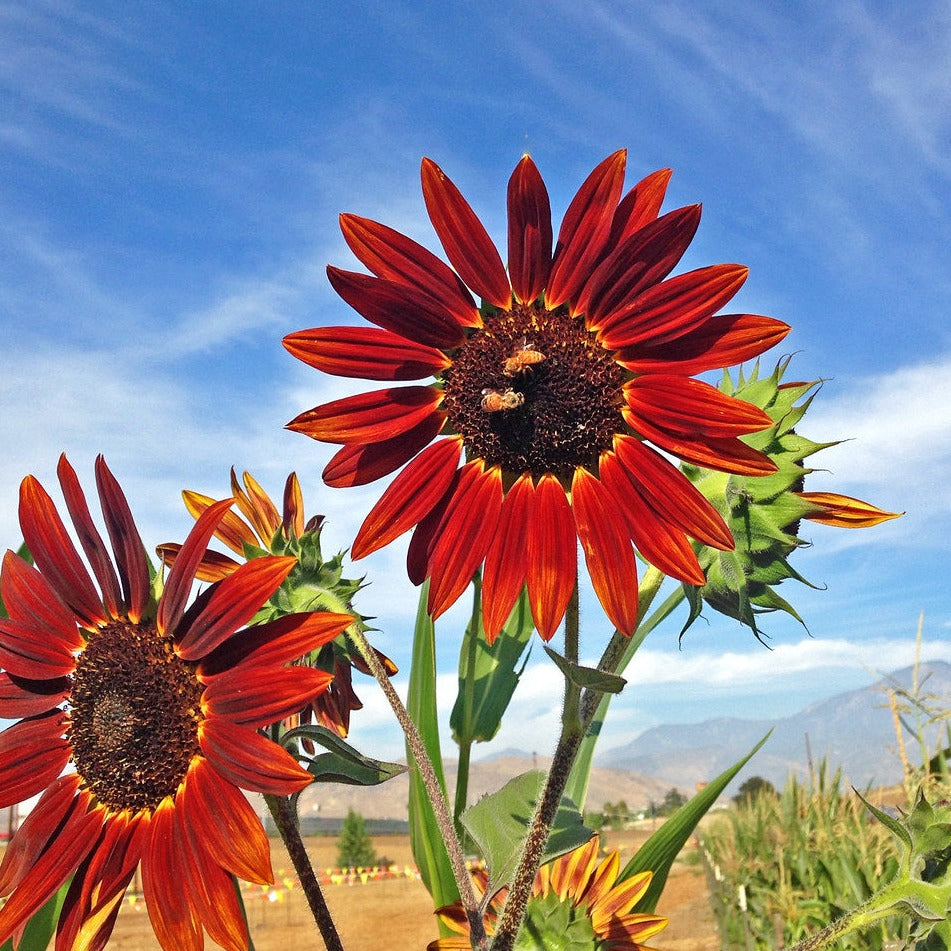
(493, 401)
(523, 358)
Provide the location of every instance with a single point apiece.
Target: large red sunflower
(138, 723)
(559, 390)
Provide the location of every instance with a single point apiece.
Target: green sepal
(657, 854)
(425, 836)
(38, 931)
(498, 824)
(342, 763)
(587, 678)
(494, 677)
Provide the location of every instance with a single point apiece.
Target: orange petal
(843, 511)
(55, 556)
(361, 464)
(173, 919)
(503, 576)
(409, 497)
(552, 555)
(464, 533)
(229, 825)
(403, 310)
(467, 245)
(530, 235)
(179, 583)
(585, 229)
(249, 760)
(256, 506)
(622, 897)
(258, 696)
(126, 543)
(392, 255)
(672, 308)
(366, 353)
(368, 417)
(607, 549)
(292, 521)
(687, 407)
(232, 529)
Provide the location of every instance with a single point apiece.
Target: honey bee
(523, 358)
(493, 401)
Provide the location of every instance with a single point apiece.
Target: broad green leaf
(342, 763)
(657, 854)
(425, 837)
(498, 824)
(587, 678)
(477, 714)
(39, 929)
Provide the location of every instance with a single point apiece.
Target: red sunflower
(138, 723)
(559, 390)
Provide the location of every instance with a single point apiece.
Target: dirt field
(397, 913)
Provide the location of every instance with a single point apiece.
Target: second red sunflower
(549, 399)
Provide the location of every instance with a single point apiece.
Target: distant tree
(753, 787)
(673, 800)
(355, 848)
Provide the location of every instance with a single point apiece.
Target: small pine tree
(355, 848)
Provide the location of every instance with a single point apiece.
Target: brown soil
(397, 914)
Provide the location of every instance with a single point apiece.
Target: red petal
(645, 258)
(552, 555)
(232, 529)
(662, 544)
(274, 643)
(29, 598)
(671, 494)
(32, 754)
(55, 555)
(249, 760)
(89, 537)
(398, 308)
(391, 255)
(259, 696)
(74, 838)
(369, 417)
(683, 406)
(640, 206)
(173, 918)
(409, 497)
(231, 604)
(607, 549)
(360, 465)
(213, 567)
(21, 697)
(179, 584)
(506, 559)
(530, 235)
(211, 891)
(724, 455)
(229, 826)
(673, 308)
(469, 248)
(31, 839)
(366, 353)
(585, 229)
(464, 533)
(26, 652)
(423, 539)
(722, 341)
(126, 543)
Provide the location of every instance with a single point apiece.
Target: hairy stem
(284, 814)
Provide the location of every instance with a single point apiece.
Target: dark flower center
(134, 714)
(534, 391)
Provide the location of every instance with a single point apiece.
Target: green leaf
(587, 678)
(498, 824)
(425, 836)
(657, 854)
(494, 675)
(39, 929)
(342, 763)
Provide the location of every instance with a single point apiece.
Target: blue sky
(172, 179)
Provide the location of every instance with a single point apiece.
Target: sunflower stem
(284, 813)
(468, 687)
(572, 733)
(440, 807)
